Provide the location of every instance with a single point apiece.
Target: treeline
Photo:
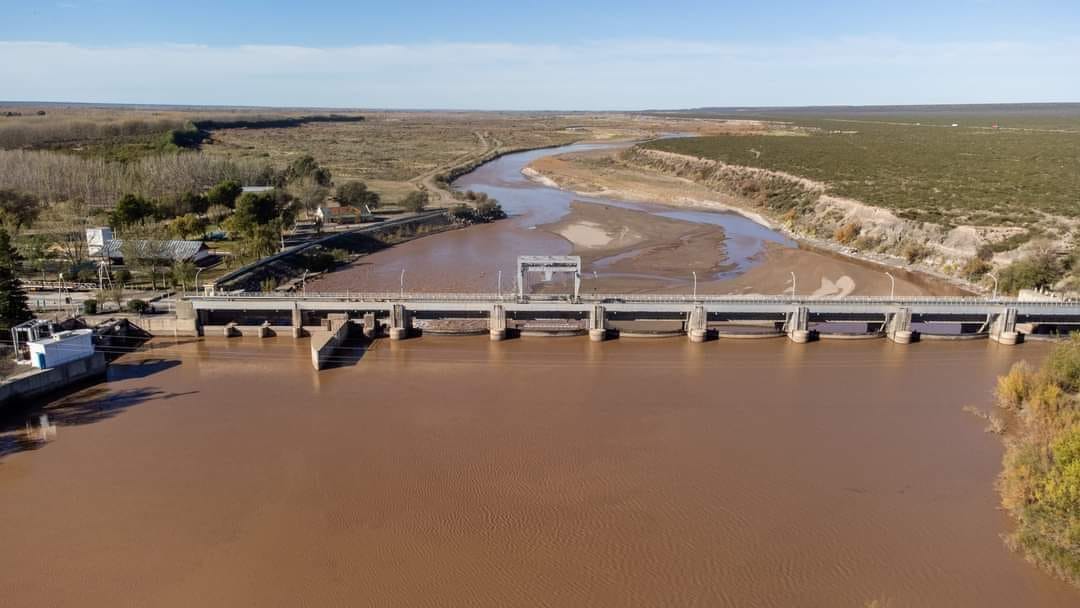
(39, 133)
(184, 132)
(54, 176)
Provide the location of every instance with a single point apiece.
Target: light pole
(403, 282)
(500, 284)
(892, 286)
(792, 283)
(694, 272)
(197, 280)
(992, 276)
(303, 283)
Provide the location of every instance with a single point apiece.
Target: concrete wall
(325, 342)
(167, 325)
(35, 383)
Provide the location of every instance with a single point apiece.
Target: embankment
(290, 263)
(35, 383)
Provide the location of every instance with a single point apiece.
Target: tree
(489, 209)
(313, 197)
(146, 248)
(306, 169)
(253, 210)
(356, 193)
(35, 250)
(1041, 269)
(70, 219)
(17, 211)
(188, 202)
(188, 225)
(13, 307)
(415, 201)
(225, 193)
(130, 210)
(216, 213)
(184, 273)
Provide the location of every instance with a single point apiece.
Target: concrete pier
(1003, 330)
(697, 325)
(297, 327)
(898, 327)
(798, 326)
(597, 324)
(497, 323)
(400, 323)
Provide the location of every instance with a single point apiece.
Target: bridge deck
(1055, 311)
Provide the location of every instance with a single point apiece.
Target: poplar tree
(13, 307)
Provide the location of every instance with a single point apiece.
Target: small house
(168, 251)
(61, 348)
(345, 214)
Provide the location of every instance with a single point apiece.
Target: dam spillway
(1004, 320)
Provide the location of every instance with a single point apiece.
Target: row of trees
(44, 132)
(56, 177)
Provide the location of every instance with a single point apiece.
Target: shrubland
(1040, 480)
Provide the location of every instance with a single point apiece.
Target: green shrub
(1062, 365)
(914, 252)
(415, 201)
(138, 306)
(975, 268)
(1032, 272)
(90, 306)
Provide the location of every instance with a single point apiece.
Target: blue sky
(539, 55)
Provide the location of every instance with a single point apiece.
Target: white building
(61, 348)
(96, 238)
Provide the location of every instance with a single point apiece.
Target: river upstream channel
(456, 471)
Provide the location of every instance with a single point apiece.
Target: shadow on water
(351, 351)
(140, 369)
(20, 425)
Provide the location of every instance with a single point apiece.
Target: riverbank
(599, 173)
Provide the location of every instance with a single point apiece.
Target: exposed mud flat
(457, 472)
(618, 240)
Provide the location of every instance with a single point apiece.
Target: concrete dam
(328, 318)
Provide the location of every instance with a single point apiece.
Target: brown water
(551, 472)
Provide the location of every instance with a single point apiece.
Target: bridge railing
(405, 297)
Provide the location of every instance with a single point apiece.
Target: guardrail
(627, 298)
(58, 285)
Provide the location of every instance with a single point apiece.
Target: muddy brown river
(534, 472)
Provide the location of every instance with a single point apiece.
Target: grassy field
(930, 171)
